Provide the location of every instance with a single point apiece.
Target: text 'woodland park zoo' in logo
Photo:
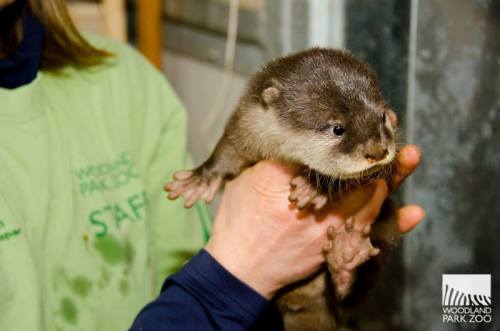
(466, 298)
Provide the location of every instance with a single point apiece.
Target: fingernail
(422, 213)
(413, 152)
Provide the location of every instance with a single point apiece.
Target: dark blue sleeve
(202, 296)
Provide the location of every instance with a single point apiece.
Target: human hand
(407, 160)
(408, 216)
(411, 215)
(262, 239)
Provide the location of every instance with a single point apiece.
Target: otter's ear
(270, 95)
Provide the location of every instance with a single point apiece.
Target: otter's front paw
(192, 186)
(347, 248)
(305, 194)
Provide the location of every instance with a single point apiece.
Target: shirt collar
(22, 67)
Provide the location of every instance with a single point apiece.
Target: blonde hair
(64, 45)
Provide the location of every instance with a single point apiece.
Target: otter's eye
(338, 130)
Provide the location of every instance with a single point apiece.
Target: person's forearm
(202, 296)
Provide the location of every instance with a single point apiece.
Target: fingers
(183, 174)
(408, 160)
(368, 213)
(409, 217)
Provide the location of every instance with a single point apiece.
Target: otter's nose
(376, 154)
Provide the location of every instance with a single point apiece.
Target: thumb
(274, 173)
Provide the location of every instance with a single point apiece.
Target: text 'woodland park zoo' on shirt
(86, 234)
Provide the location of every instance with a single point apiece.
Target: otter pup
(321, 110)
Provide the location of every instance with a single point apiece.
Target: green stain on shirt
(110, 249)
(124, 287)
(113, 251)
(81, 286)
(104, 279)
(69, 312)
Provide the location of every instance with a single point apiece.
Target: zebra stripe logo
(466, 290)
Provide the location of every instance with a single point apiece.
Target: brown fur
(287, 114)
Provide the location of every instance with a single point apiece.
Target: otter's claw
(305, 194)
(192, 187)
(347, 248)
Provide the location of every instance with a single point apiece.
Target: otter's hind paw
(305, 194)
(347, 248)
(192, 186)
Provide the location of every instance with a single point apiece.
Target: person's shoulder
(127, 66)
(123, 65)
(125, 69)
(123, 56)
(125, 77)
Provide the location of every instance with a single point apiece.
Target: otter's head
(331, 110)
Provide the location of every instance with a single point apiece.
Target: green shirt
(86, 233)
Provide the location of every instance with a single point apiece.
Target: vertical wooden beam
(149, 36)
